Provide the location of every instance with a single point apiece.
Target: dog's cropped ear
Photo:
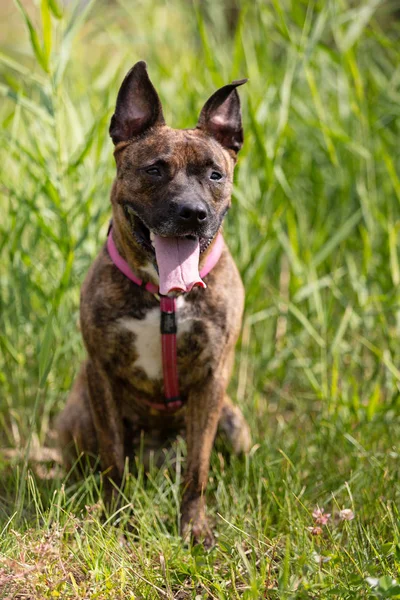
(221, 117)
(138, 106)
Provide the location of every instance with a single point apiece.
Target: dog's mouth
(145, 236)
(176, 257)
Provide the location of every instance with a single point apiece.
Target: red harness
(168, 326)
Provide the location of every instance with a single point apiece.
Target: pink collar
(168, 326)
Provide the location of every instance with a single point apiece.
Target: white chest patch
(148, 336)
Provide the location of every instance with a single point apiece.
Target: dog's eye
(154, 171)
(215, 176)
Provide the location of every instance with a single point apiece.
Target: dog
(172, 190)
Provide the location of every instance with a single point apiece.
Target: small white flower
(346, 514)
(321, 559)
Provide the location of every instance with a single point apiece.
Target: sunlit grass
(315, 231)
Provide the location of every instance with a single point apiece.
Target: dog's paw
(198, 531)
(242, 441)
(234, 427)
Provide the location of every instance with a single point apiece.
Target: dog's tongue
(178, 263)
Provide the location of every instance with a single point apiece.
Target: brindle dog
(170, 183)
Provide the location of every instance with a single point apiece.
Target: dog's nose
(192, 213)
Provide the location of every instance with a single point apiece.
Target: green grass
(315, 230)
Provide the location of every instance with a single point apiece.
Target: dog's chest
(147, 341)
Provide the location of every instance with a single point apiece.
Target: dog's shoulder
(225, 297)
(107, 297)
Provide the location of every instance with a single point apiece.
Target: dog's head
(172, 183)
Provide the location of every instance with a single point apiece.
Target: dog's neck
(135, 256)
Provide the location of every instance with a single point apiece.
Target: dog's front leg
(202, 416)
(108, 425)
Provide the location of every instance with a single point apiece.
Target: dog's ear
(221, 117)
(138, 106)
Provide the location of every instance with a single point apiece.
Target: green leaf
(36, 47)
(26, 103)
(76, 22)
(359, 23)
(387, 548)
(23, 70)
(342, 233)
(47, 33)
(385, 583)
(46, 352)
(285, 569)
(55, 9)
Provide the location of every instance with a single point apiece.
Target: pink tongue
(178, 263)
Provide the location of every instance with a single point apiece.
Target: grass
(315, 231)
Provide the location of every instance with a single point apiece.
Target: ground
(314, 229)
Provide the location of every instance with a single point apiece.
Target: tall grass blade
(35, 42)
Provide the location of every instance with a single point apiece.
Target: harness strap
(168, 345)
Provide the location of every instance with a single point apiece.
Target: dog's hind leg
(234, 427)
(75, 427)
